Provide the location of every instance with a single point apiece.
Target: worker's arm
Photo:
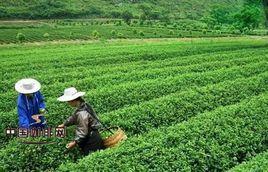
(23, 118)
(41, 101)
(82, 126)
(71, 145)
(70, 121)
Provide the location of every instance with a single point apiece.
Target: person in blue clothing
(30, 104)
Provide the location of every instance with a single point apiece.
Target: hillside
(156, 9)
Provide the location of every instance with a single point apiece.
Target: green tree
(249, 17)
(141, 33)
(265, 5)
(46, 35)
(219, 15)
(127, 16)
(21, 37)
(146, 11)
(48, 9)
(120, 35)
(113, 32)
(209, 20)
(95, 34)
(164, 17)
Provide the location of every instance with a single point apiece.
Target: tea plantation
(186, 104)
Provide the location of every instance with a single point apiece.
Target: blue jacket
(30, 106)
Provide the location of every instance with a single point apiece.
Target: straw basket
(115, 138)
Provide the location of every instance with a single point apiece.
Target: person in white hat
(30, 104)
(87, 123)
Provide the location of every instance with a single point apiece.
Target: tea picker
(88, 126)
(30, 104)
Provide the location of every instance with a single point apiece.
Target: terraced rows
(100, 55)
(153, 77)
(147, 89)
(126, 68)
(152, 88)
(54, 74)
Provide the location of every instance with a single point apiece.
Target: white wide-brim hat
(70, 94)
(27, 86)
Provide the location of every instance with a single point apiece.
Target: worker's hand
(61, 125)
(36, 118)
(71, 145)
(42, 111)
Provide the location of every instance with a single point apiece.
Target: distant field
(51, 30)
(186, 104)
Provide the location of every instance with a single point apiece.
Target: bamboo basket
(115, 138)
